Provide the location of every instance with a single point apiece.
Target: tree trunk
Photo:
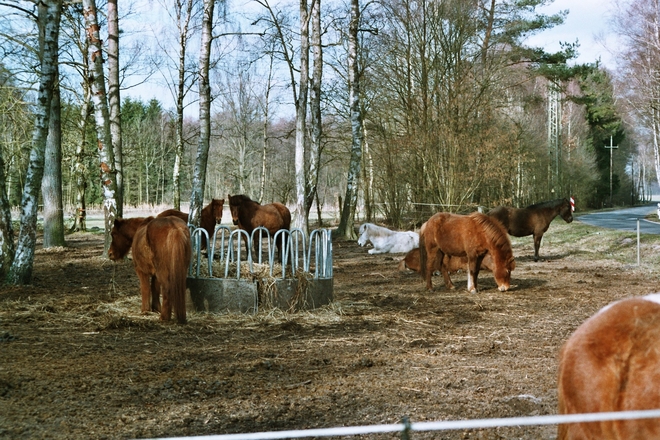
(7, 247)
(114, 102)
(199, 173)
(21, 269)
(345, 228)
(183, 23)
(102, 118)
(300, 219)
(315, 110)
(51, 185)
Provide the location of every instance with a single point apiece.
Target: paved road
(624, 219)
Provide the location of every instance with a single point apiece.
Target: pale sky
(588, 22)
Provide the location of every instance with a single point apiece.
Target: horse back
(611, 363)
(284, 213)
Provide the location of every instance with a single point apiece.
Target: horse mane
(240, 198)
(548, 203)
(495, 233)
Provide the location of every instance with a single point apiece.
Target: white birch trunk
(199, 173)
(114, 102)
(21, 268)
(300, 218)
(315, 109)
(102, 119)
(345, 228)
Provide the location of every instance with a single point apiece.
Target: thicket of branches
(455, 110)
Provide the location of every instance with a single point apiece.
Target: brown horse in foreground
(454, 264)
(471, 236)
(161, 255)
(612, 363)
(532, 220)
(210, 217)
(248, 215)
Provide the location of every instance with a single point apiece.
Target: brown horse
(612, 363)
(248, 215)
(532, 220)
(454, 264)
(210, 217)
(471, 236)
(161, 256)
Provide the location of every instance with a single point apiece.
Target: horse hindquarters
(172, 272)
(611, 363)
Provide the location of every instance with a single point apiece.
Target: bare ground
(78, 360)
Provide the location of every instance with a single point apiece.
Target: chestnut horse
(454, 264)
(161, 256)
(248, 215)
(532, 220)
(210, 217)
(612, 363)
(471, 236)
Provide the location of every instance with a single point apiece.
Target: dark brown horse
(248, 215)
(532, 220)
(471, 236)
(161, 256)
(210, 217)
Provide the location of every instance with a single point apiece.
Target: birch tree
(114, 103)
(345, 228)
(199, 172)
(21, 269)
(102, 119)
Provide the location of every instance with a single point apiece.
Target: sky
(587, 21)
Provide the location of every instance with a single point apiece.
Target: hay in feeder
(274, 292)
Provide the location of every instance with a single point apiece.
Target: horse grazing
(612, 363)
(161, 255)
(454, 264)
(471, 236)
(211, 216)
(385, 240)
(248, 215)
(532, 220)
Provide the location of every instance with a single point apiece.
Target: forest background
(395, 109)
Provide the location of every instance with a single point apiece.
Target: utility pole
(611, 147)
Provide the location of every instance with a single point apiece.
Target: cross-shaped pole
(611, 147)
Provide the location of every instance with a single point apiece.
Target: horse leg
(443, 270)
(166, 308)
(145, 289)
(474, 265)
(155, 294)
(537, 245)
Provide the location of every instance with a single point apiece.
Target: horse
(385, 240)
(532, 220)
(161, 255)
(454, 264)
(248, 215)
(612, 363)
(471, 236)
(210, 217)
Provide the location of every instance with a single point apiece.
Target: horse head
(234, 204)
(122, 235)
(217, 206)
(362, 232)
(502, 274)
(566, 211)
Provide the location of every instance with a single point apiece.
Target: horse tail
(422, 252)
(180, 253)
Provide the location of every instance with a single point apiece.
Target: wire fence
(406, 428)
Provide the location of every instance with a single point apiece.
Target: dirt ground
(78, 360)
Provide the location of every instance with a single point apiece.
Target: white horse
(385, 240)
